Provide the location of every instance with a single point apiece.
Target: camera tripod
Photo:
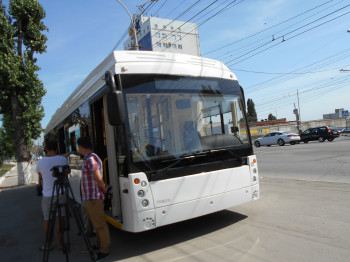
(61, 202)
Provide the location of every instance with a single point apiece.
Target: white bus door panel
(112, 164)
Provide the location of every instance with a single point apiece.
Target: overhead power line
(184, 12)
(280, 98)
(175, 8)
(162, 40)
(240, 40)
(285, 73)
(223, 9)
(272, 36)
(149, 7)
(287, 101)
(284, 39)
(160, 7)
(121, 39)
(310, 67)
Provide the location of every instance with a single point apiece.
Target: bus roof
(138, 62)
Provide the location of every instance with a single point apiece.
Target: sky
(275, 47)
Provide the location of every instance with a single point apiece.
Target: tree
(271, 117)
(6, 147)
(21, 91)
(251, 114)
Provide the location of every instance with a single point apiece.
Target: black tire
(306, 141)
(321, 139)
(257, 144)
(280, 142)
(268, 145)
(292, 143)
(330, 139)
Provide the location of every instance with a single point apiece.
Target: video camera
(61, 172)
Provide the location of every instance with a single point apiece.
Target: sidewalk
(10, 178)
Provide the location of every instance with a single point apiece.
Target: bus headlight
(254, 178)
(254, 171)
(145, 203)
(143, 183)
(141, 193)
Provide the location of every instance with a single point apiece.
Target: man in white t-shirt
(46, 180)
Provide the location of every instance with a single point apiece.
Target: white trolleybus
(172, 132)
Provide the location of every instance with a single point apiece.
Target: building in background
(159, 34)
(339, 114)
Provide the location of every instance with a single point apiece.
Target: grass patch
(5, 168)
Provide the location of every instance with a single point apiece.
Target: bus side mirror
(115, 103)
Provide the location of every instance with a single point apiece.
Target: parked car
(277, 138)
(343, 131)
(319, 133)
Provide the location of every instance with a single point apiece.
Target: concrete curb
(4, 176)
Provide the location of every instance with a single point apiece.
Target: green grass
(5, 168)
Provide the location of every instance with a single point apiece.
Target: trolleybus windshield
(176, 117)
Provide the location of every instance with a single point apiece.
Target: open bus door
(104, 147)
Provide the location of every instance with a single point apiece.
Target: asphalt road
(314, 161)
(303, 215)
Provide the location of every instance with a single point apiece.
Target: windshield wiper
(158, 173)
(237, 157)
(232, 153)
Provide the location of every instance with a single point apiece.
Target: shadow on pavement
(21, 231)
(126, 245)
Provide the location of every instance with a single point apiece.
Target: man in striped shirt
(93, 191)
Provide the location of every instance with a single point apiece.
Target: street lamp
(133, 24)
(133, 19)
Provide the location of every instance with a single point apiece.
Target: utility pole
(299, 118)
(133, 20)
(295, 111)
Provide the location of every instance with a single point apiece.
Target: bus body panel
(186, 210)
(136, 218)
(163, 63)
(177, 199)
(188, 188)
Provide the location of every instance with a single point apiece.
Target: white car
(277, 138)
